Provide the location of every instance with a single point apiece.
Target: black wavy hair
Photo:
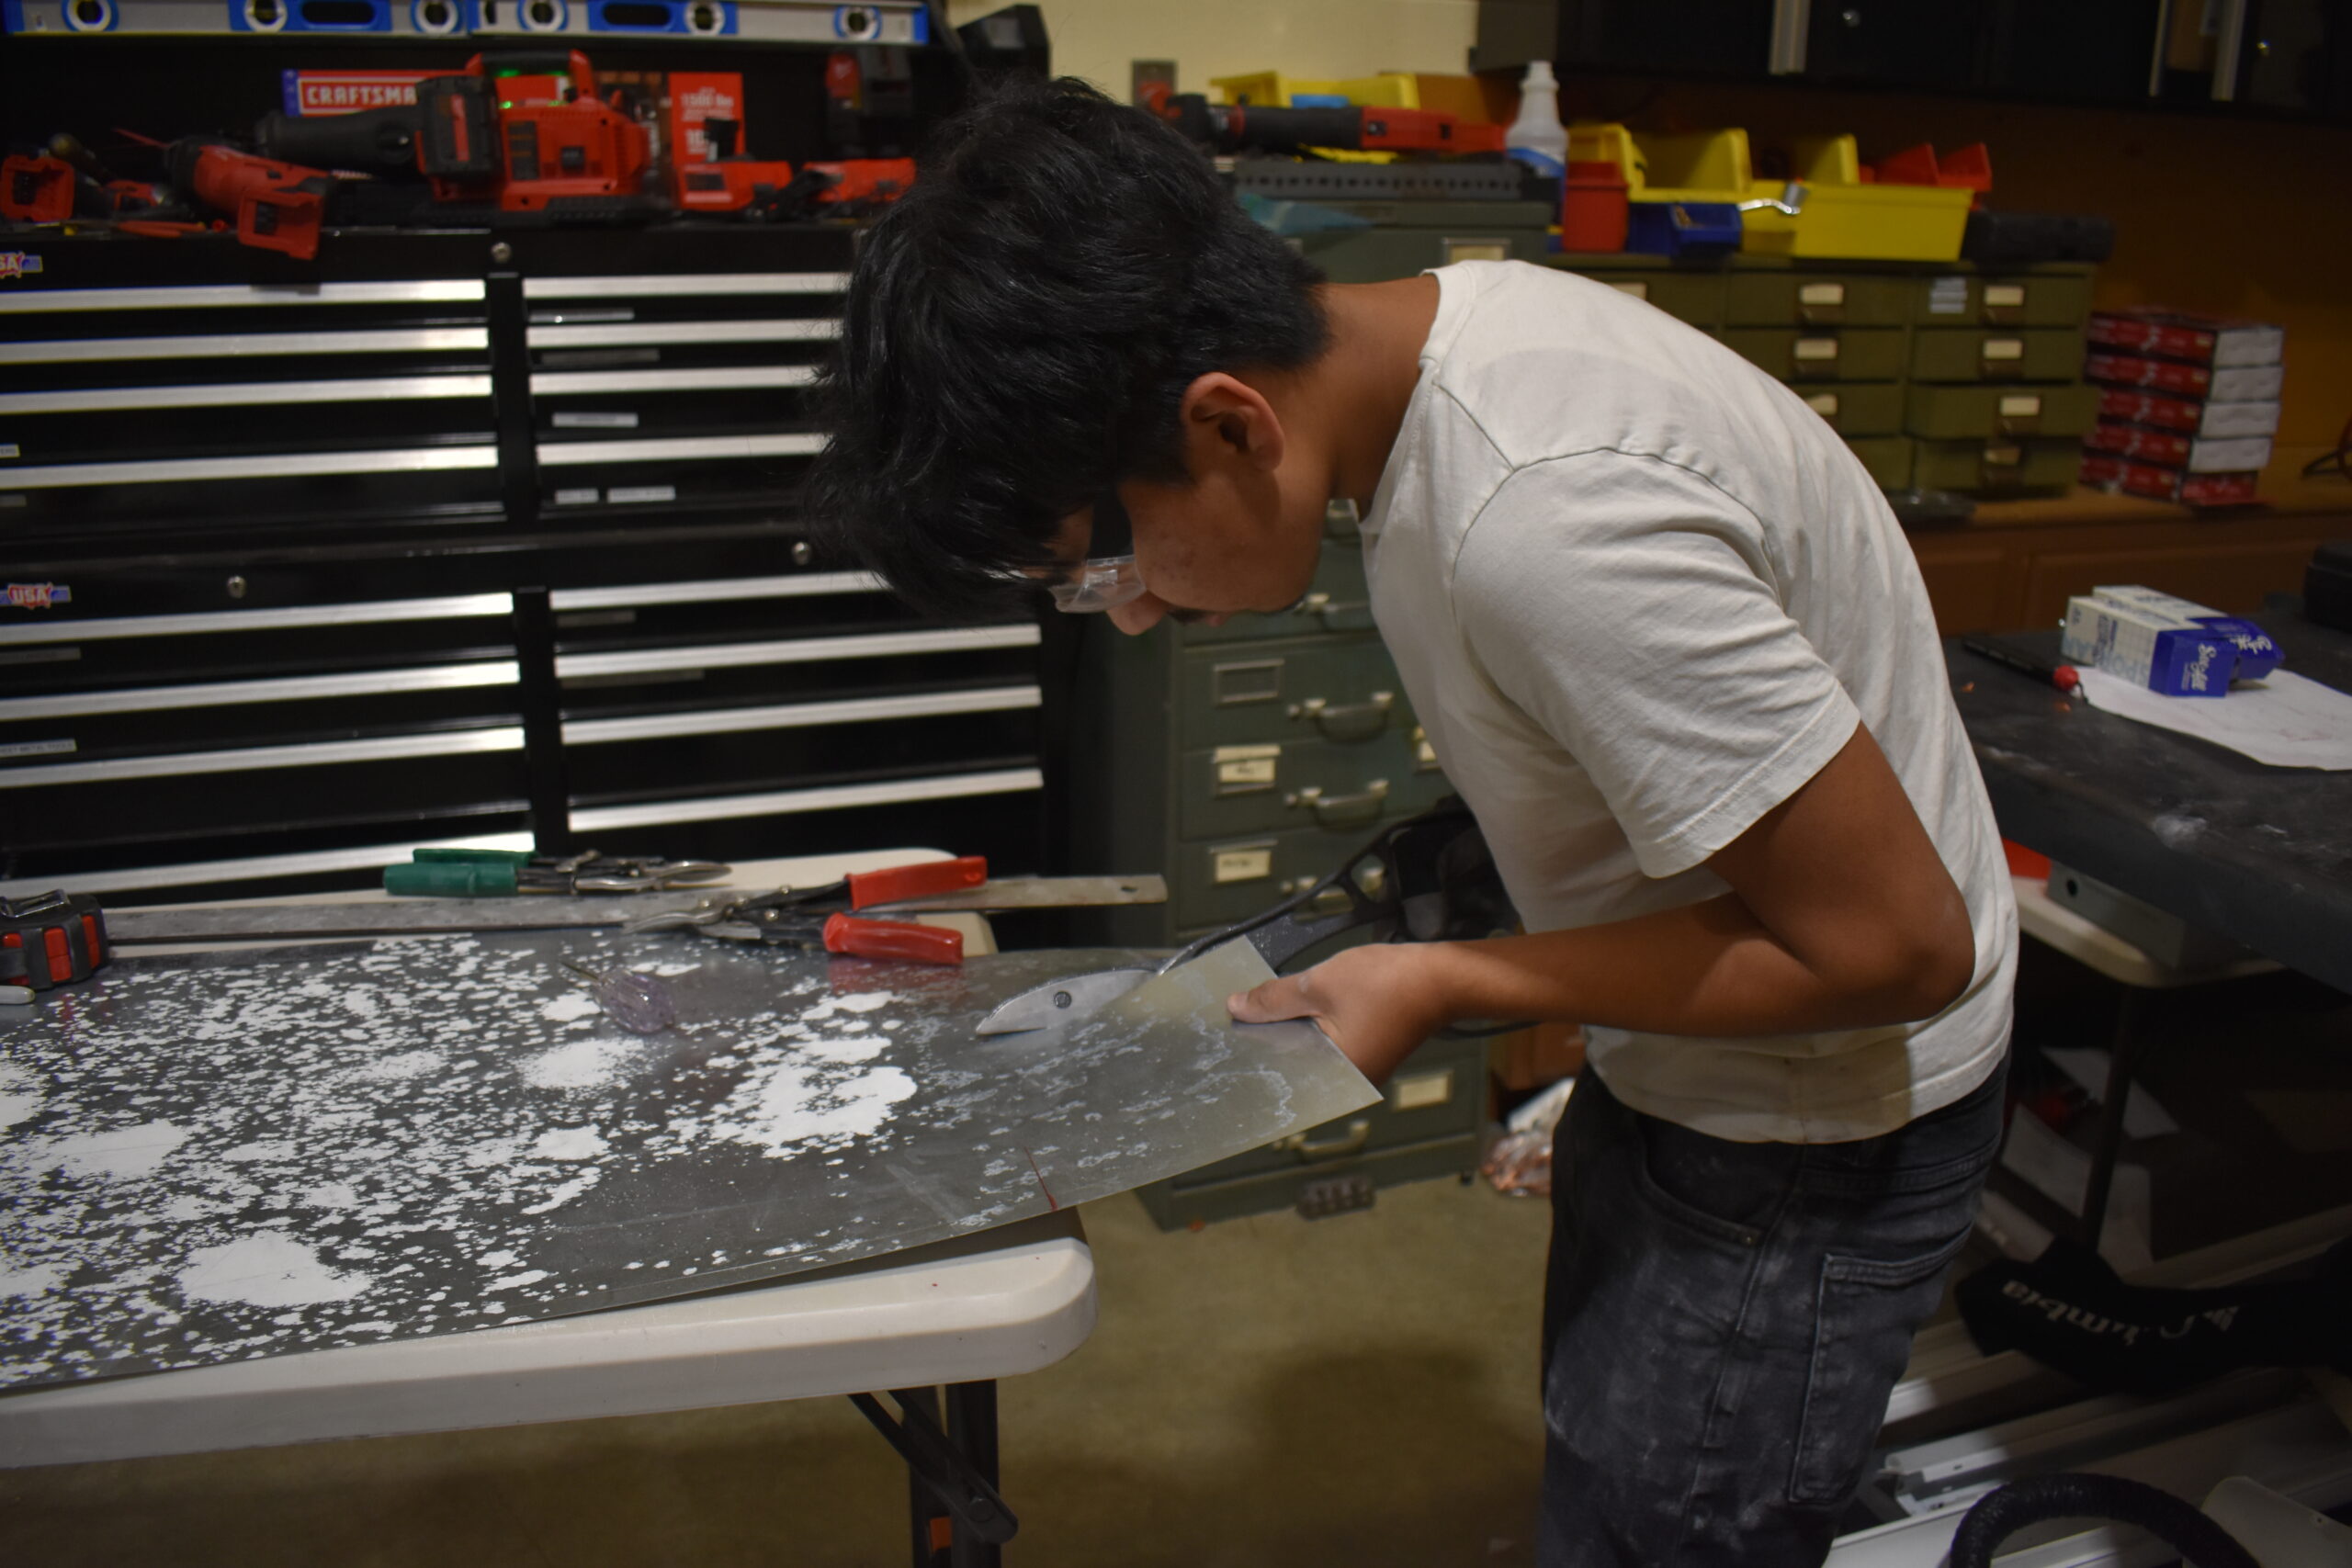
(1020, 330)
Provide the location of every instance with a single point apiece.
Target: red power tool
(278, 206)
(521, 132)
(63, 181)
(50, 940)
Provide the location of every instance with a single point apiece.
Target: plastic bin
(1710, 167)
(1845, 217)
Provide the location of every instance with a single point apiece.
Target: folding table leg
(952, 1501)
(971, 1427)
(2108, 1146)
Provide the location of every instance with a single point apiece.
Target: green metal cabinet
(1825, 353)
(1816, 297)
(1997, 354)
(1863, 408)
(1888, 458)
(2042, 462)
(1959, 413)
(2055, 295)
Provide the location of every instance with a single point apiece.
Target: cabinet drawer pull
(1350, 1142)
(1358, 810)
(1348, 721)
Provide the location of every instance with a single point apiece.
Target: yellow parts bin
(1844, 216)
(1706, 167)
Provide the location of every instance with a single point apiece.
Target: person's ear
(1226, 420)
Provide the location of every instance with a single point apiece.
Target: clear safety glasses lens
(1102, 582)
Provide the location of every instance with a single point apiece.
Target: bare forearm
(1705, 969)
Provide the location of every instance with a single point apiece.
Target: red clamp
(51, 940)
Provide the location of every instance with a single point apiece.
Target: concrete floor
(1268, 1391)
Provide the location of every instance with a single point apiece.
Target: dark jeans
(1722, 1322)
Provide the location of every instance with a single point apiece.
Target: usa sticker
(18, 263)
(38, 595)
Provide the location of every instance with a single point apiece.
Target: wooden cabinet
(2016, 565)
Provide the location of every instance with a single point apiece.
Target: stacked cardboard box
(2188, 406)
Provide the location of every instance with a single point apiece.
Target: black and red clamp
(49, 939)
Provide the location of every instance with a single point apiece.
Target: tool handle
(894, 883)
(893, 939)
(450, 879)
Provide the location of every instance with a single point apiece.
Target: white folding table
(959, 1313)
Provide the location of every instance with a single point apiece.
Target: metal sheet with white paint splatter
(206, 1159)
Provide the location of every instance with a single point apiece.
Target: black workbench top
(2259, 853)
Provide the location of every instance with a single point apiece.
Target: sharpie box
(2257, 653)
(2148, 648)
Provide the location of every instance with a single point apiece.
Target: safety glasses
(1108, 577)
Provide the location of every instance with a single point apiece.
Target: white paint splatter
(856, 1001)
(567, 1007)
(579, 1063)
(266, 1268)
(123, 1153)
(21, 1096)
(565, 1193)
(568, 1142)
(501, 1259)
(331, 1195)
(407, 1064)
(783, 1106)
(244, 1153)
(31, 1280)
(516, 1281)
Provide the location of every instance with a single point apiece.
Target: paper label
(1825, 404)
(2022, 405)
(38, 595)
(2001, 348)
(1477, 250)
(595, 422)
(576, 497)
(1421, 1090)
(1638, 288)
(35, 748)
(2004, 455)
(1240, 866)
(1818, 294)
(2005, 296)
(1243, 769)
(1948, 297)
(9, 449)
(1816, 348)
(621, 495)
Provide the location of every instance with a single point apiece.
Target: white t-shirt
(1640, 593)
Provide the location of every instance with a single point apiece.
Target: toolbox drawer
(1864, 408)
(1273, 786)
(763, 746)
(393, 782)
(1816, 299)
(1994, 354)
(69, 649)
(1427, 1123)
(2003, 299)
(1960, 413)
(1338, 600)
(2042, 462)
(1888, 458)
(1846, 354)
(225, 403)
(1342, 689)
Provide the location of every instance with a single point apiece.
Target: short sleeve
(1629, 608)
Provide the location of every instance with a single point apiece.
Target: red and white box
(2107, 471)
(2190, 416)
(2198, 455)
(2211, 341)
(2236, 384)
(695, 96)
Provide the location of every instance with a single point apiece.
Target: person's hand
(1376, 1003)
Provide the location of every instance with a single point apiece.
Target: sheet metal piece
(419, 917)
(216, 1157)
